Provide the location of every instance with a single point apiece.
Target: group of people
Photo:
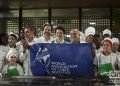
(15, 56)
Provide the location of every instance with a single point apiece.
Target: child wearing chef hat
(107, 33)
(115, 42)
(89, 33)
(12, 68)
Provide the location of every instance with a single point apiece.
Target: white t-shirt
(43, 40)
(102, 59)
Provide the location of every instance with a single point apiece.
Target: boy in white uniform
(105, 61)
(12, 68)
(115, 47)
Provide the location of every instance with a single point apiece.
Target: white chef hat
(12, 52)
(82, 36)
(107, 31)
(108, 40)
(13, 34)
(116, 40)
(90, 30)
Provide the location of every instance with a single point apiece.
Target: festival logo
(43, 56)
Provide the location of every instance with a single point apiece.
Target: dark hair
(13, 36)
(106, 35)
(96, 42)
(32, 28)
(3, 39)
(48, 24)
(96, 35)
(60, 28)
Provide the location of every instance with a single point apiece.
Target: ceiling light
(92, 23)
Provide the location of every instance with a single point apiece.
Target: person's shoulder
(66, 42)
(4, 47)
(36, 40)
(114, 54)
(118, 53)
(99, 54)
(41, 37)
(83, 42)
(6, 65)
(18, 65)
(52, 38)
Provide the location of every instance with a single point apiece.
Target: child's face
(11, 41)
(106, 46)
(89, 38)
(13, 59)
(115, 46)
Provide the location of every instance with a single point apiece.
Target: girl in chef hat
(12, 68)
